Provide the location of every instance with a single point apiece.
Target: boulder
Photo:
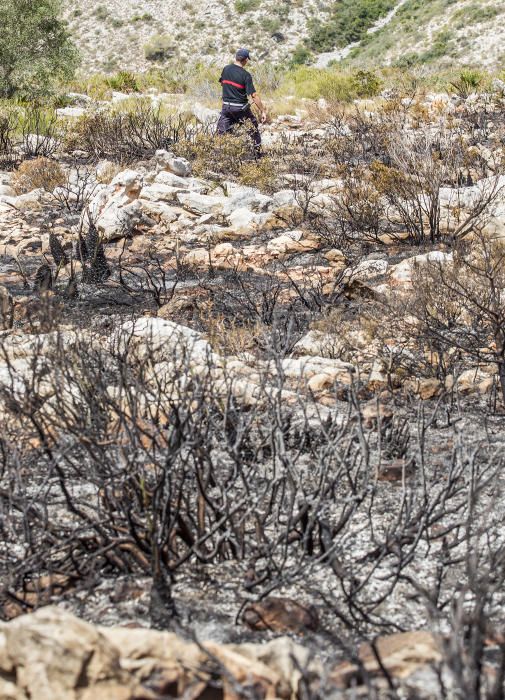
(78, 98)
(319, 372)
(115, 208)
(284, 198)
(245, 197)
(336, 257)
(55, 655)
(318, 343)
(374, 413)
(187, 184)
(161, 193)
(179, 166)
(128, 183)
(205, 115)
(33, 142)
(402, 274)
(52, 655)
(71, 112)
(291, 242)
(244, 222)
(119, 221)
(424, 388)
(201, 203)
(31, 201)
(159, 340)
(378, 378)
(472, 381)
(7, 191)
(6, 308)
(367, 269)
(281, 615)
(160, 211)
(400, 654)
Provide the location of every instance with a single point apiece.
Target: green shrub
(468, 82)
(146, 17)
(124, 81)
(242, 6)
(159, 48)
(366, 83)
(301, 56)
(270, 24)
(349, 22)
(101, 13)
(331, 83)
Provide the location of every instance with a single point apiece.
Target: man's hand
(259, 104)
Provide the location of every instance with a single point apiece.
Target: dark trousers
(231, 117)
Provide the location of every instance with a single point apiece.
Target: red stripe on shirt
(230, 82)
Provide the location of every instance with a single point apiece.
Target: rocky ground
(257, 360)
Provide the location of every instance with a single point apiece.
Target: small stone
(399, 470)
(281, 615)
(373, 412)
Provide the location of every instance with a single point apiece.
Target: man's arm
(256, 99)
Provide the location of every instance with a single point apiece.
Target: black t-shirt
(237, 84)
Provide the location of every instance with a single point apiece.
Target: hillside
(114, 35)
(441, 33)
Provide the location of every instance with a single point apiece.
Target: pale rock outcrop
(285, 198)
(472, 381)
(368, 269)
(321, 372)
(33, 142)
(115, 208)
(245, 222)
(6, 191)
(400, 654)
(55, 655)
(71, 112)
(247, 197)
(201, 203)
(318, 343)
(424, 388)
(51, 654)
(190, 184)
(6, 308)
(175, 164)
(31, 201)
(336, 258)
(378, 378)
(160, 211)
(403, 273)
(205, 115)
(292, 242)
(161, 193)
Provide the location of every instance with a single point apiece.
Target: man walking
(238, 94)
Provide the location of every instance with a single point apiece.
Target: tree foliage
(35, 47)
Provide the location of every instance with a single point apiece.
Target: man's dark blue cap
(243, 53)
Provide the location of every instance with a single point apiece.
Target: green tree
(35, 47)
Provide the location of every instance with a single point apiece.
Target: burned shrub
(125, 136)
(40, 173)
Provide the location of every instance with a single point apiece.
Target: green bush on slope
(349, 22)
